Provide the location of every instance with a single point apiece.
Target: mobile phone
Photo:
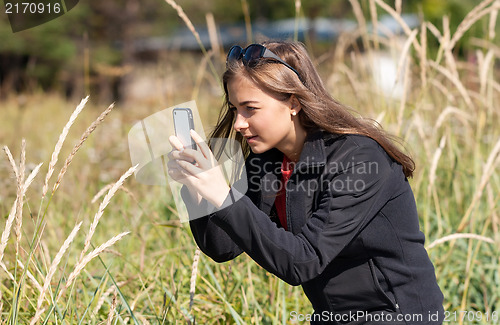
(183, 123)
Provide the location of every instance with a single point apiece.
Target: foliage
(107, 29)
(446, 114)
(455, 10)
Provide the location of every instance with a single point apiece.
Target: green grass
(152, 265)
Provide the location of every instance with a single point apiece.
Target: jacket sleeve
(340, 216)
(209, 237)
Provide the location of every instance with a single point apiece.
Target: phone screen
(183, 123)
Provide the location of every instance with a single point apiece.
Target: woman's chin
(259, 149)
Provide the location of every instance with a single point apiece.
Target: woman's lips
(252, 138)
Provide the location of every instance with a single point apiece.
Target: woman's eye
(233, 109)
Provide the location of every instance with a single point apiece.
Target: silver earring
(294, 113)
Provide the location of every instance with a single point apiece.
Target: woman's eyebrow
(246, 102)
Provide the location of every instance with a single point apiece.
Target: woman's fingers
(189, 168)
(192, 155)
(179, 170)
(205, 150)
(174, 154)
(175, 170)
(182, 159)
(176, 173)
(175, 142)
(203, 156)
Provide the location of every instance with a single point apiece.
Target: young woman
(328, 204)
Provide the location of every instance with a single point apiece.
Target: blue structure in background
(320, 29)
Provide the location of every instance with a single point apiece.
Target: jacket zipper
(287, 210)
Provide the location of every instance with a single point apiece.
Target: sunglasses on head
(252, 53)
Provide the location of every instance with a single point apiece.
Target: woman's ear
(295, 106)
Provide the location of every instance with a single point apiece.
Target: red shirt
(280, 202)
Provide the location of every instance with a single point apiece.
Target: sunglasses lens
(252, 54)
(234, 53)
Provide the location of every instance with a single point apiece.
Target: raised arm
(211, 239)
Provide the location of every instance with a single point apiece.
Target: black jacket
(353, 239)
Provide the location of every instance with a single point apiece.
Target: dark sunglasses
(252, 53)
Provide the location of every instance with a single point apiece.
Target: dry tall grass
(447, 115)
(18, 289)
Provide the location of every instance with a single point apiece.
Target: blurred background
(107, 48)
(426, 70)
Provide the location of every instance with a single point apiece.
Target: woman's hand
(175, 171)
(204, 177)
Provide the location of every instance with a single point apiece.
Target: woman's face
(264, 121)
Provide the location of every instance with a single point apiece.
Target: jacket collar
(313, 153)
(312, 161)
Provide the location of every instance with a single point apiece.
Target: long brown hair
(319, 110)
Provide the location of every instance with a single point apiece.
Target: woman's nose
(240, 123)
